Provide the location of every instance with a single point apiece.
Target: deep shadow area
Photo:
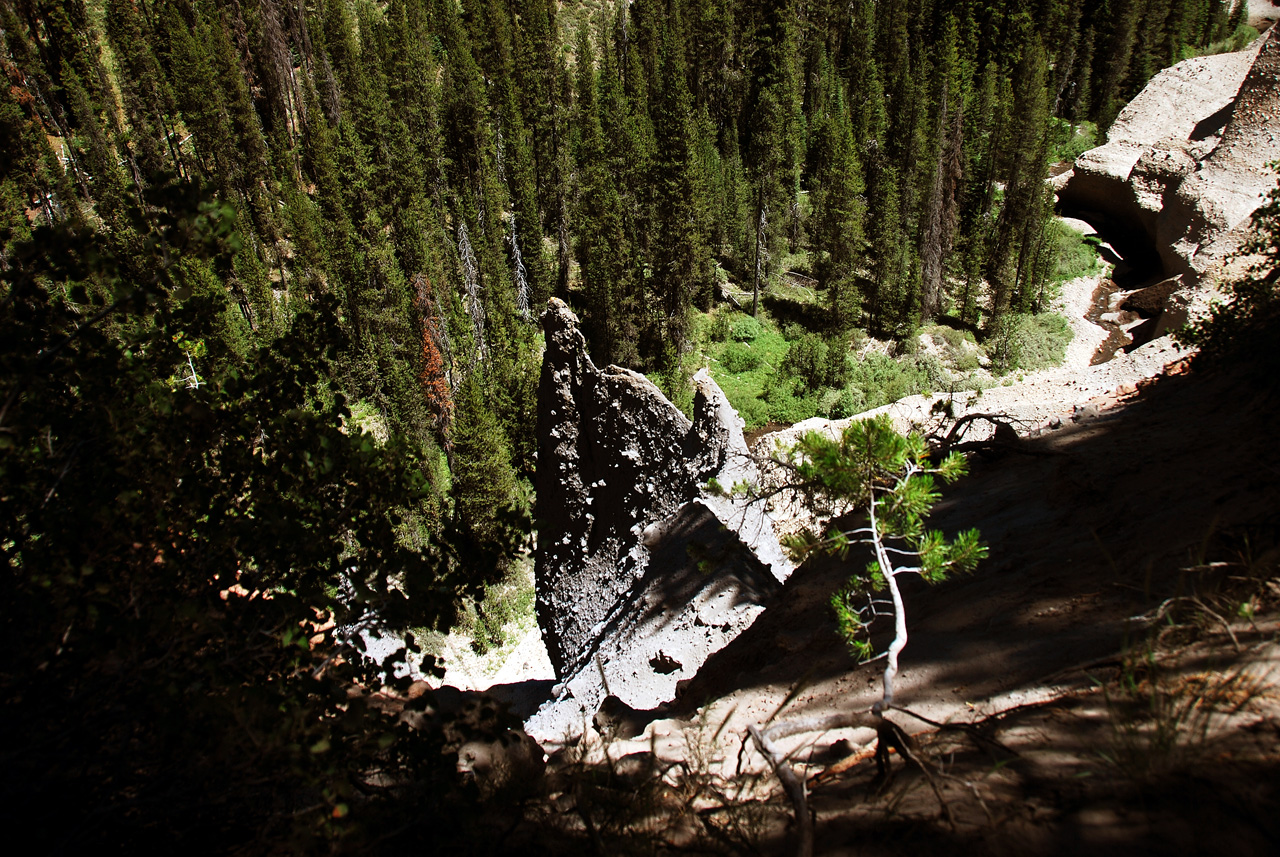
(1009, 793)
(1136, 259)
(811, 316)
(1097, 527)
(1211, 125)
(697, 553)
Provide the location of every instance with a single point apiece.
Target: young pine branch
(870, 467)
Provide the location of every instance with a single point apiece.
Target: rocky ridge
(625, 526)
(628, 532)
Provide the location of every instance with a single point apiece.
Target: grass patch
(744, 354)
(786, 374)
(739, 357)
(1237, 41)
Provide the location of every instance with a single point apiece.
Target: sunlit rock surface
(1184, 163)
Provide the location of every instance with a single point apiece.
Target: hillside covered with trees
(271, 274)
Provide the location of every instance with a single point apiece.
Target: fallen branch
(764, 739)
(794, 789)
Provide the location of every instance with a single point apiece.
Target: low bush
(718, 329)
(1069, 142)
(850, 402)
(817, 363)
(744, 329)
(1077, 255)
(958, 345)
(504, 609)
(1029, 342)
(787, 405)
(738, 357)
(879, 379)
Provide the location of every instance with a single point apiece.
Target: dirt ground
(1170, 495)
(1109, 678)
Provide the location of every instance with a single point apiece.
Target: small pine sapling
(873, 468)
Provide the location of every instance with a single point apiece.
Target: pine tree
(772, 150)
(1116, 58)
(484, 484)
(1022, 214)
(939, 221)
(603, 246)
(681, 260)
(838, 210)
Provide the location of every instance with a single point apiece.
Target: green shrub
(676, 383)
(954, 338)
(1031, 342)
(738, 358)
(788, 407)
(744, 329)
(504, 610)
(1077, 255)
(1068, 141)
(955, 342)
(816, 362)
(718, 330)
(850, 401)
(964, 359)
(878, 379)
(909, 343)
(806, 361)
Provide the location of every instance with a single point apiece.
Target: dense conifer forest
(234, 231)
(441, 169)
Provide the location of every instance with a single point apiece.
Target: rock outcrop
(1205, 218)
(1184, 164)
(641, 573)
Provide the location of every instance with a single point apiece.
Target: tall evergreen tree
(681, 260)
(838, 210)
(772, 129)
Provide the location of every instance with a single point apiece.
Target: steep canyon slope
(1134, 533)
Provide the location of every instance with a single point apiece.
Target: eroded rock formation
(1184, 165)
(641, 573)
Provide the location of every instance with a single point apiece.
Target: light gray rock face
(633, 554)
(1183, 166)
(1206, 217)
